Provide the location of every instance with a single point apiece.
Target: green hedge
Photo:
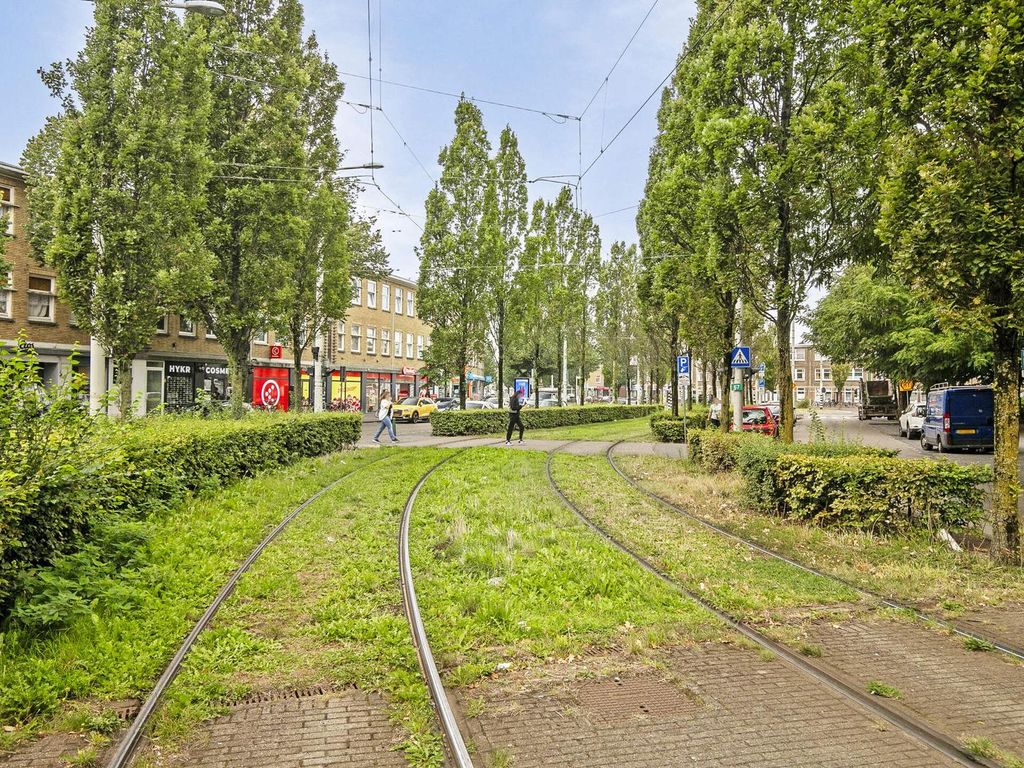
(844, 483)
(491, 421)
(670, 429)
(880, 494)
(135, 471)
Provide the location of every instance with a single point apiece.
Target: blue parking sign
(740, 357)
(683, 365)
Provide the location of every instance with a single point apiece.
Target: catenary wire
(407, 146)
(660, 85)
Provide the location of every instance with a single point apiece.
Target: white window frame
(410, 346)
(799, 374)
(399, 301)
(398, 343)
(385, 342)
(800, 355)
(181, 327)
(161, 325)
(371, 297)
(357, 292)
(262, 338)
(385, 297)
(209, 332)
(357, 338)
(801, 393)
(371, 340)
(341, 336)
(7, 292)
(7, 208)
(409, 309)
(51, 298)
(419, 347)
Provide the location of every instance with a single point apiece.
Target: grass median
(636, 430)
(915, 567)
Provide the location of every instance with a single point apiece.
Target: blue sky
(550, 55)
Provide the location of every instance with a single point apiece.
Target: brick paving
(734, 709)
(959, 692)
(54, 750)
(347, 728)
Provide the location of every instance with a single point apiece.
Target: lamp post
(318, 381)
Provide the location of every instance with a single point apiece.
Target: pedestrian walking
(384, 417)
(514, 419)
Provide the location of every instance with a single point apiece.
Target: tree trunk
(501, 360)
(727, 340)
(123, 365)
(295, 401)
(237, 350)
(536, 373)
(784, 375)
(1007, 518)
(561, 358)
(462, 386)
(675, 369)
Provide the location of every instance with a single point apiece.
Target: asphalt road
(882, 433)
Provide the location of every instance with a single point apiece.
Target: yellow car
(413, 409)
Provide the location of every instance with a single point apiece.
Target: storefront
(183, 378)
(270, 388)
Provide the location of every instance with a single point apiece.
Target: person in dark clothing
(514, 406)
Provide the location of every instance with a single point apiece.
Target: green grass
(506, 574)
(322, 606)
(877, 688)
(118, 651)
(912, 568)
(725, 573)
(637, 430)
(985, 747)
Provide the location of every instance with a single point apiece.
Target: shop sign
(276, 352)
(407, 371)
(270, 388)
(214, 369)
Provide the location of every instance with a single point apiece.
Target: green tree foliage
(618, 312)
(505, 225)
(952, 201)
(116, 179)
(876, 322)
(453, 287)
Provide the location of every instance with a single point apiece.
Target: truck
(877, 398)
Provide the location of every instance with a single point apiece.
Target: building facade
(813, 381)
(380, 345)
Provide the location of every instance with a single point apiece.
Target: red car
(758, 418)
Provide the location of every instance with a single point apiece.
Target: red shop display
(270, 388)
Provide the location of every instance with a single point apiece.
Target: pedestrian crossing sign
(740, 357)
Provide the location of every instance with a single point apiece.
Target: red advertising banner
(276, 353)
(270, 388)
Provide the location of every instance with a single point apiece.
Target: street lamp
(202, 7)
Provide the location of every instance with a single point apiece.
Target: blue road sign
(740, 357)
(683, 365)
(760, 369)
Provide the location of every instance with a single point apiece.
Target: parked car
(758, 418)
(959, 417)
(548, 402)
(475, 405)
(447, 404)
(912, 419)
(413, 409)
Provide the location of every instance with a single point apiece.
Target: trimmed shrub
(670, 429)
(883, 495)
(490, 421)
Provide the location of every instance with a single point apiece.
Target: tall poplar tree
(617, 311)
(953, 195)
(116, 179)
(452, 284)
(505, 225)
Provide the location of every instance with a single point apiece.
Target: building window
(419, 347)
(385, 341)
(356, 338)
(260, 338)
(186, 327)
(371, 301)
(409, 345)
(398, 343)
(385, 297)
(5, 294)
(7, 209)
(856, 373)
(40, 298)
(371, 341)
(161, 324)
(357, 291)
(408, 304)
(398, 301)
(801, 393)
(154, 385)
(799, 374)
(799, 355)
(209, 333)
(341, 337)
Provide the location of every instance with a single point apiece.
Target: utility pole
(736, 391)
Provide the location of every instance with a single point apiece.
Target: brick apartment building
(379, 345)
(812, 379)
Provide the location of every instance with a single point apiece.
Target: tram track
(1000, 645)
(912, 726)
(132, 738)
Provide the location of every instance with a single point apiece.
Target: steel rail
(130, 741)
(1006, 648)
(449, 726)
(918, 730)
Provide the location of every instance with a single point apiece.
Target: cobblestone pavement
(347, 728)
(1005, 622)
(51, 751)
(959, 692)
(712, 706)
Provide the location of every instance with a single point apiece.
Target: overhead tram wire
(407, 146)
(369, 53)
(660, 85)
